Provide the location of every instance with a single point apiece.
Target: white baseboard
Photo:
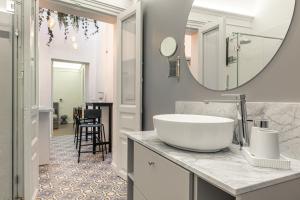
(120, 173)
(114, 166)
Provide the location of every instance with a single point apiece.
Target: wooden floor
(66, 129)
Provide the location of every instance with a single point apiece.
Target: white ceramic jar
(264, 143)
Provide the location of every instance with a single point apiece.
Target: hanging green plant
(41, 17)
(86, 28)
(97, 27)
(66, 25)
(65, 22)
(75, 22)
(60, 18)
(50, 32)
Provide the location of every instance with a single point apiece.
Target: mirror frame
(165, 44)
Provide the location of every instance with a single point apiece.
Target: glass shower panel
(254, 54)
(128, 65)
(232, 64)
(6, 106)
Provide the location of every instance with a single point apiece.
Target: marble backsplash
(284, 117)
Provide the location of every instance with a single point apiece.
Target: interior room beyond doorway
(68, 92)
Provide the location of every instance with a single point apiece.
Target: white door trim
(132, 113)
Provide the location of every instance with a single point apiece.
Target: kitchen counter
(227, 170)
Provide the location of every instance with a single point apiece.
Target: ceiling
(243, 7)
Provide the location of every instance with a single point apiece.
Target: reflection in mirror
(227, 43)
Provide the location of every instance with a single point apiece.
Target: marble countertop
(227, 170)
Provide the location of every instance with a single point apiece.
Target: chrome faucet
(240, 100)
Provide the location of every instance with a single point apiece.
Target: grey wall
(280, 81)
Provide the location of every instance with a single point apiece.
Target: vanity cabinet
(159, 178)
(137, 194)
(153, 176)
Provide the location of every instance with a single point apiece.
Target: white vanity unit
(157, 171)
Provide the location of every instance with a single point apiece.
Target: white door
(6, 106)
(211, 58)
(213, 54)
(129, 79)
(31, 111)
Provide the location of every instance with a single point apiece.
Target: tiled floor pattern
(65, 179)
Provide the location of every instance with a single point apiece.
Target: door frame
(85, 83)
(21, 8)
(137, 10)
(28, 111)
(101, 15)
(220, 24)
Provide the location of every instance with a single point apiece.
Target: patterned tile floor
(65, 179)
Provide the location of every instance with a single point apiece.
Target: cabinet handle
(150, 163)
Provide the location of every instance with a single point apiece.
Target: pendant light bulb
(75, 46)
(73, 39)
(51, 23)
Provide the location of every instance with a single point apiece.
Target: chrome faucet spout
(240, 100)
(221, 101)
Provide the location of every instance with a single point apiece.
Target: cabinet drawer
(158, 178)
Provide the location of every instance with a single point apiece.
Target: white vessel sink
(195, 132)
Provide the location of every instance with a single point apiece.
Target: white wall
(193, 51)
(273, 17)
(2, 4)
(97, 51)
(245, 7)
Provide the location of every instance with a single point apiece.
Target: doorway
(77, 69)
(68, 92)
(33, 78)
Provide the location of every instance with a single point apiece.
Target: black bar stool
(77, 115)
(93, 127)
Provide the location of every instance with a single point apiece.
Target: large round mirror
(229, 42)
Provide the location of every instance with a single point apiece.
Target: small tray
(282, 163)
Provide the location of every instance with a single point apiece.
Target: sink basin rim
(192, 119)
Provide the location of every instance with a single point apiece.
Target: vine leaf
(65, 21)
(50, 32)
